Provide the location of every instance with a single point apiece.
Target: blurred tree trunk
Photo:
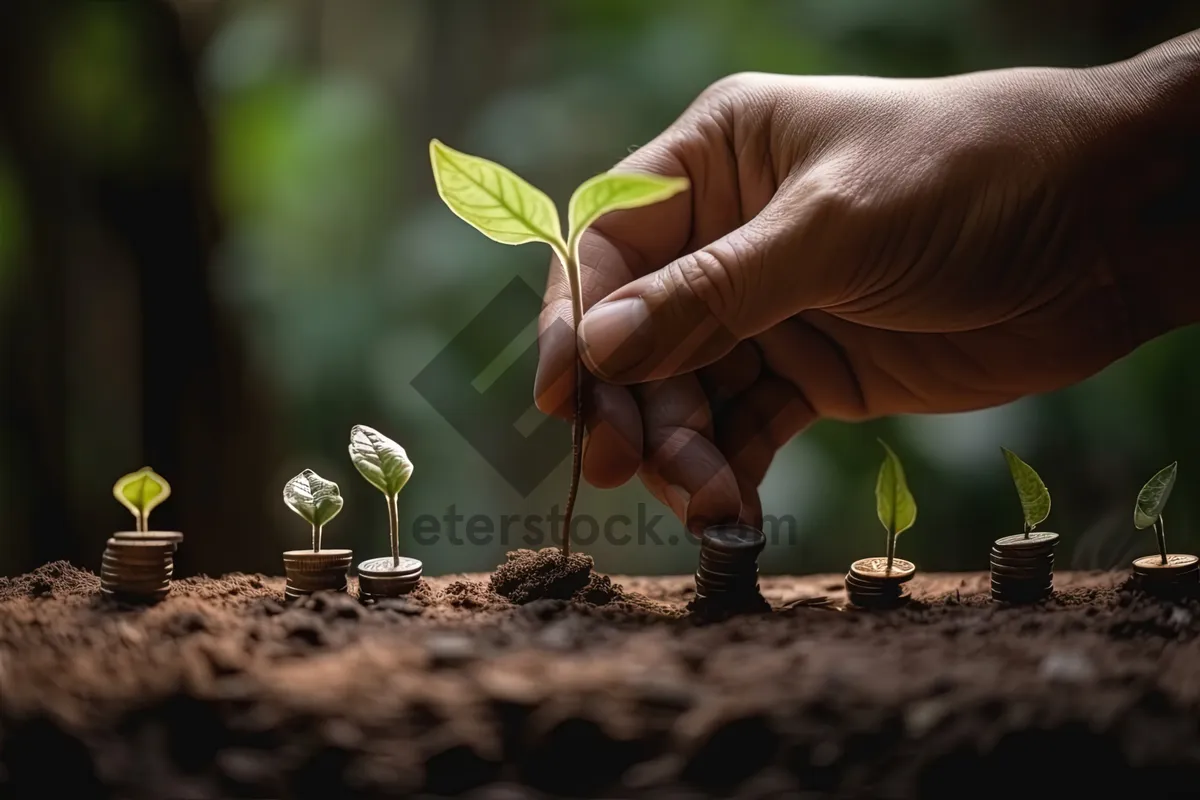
(114, 354)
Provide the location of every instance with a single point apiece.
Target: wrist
(1143, 174)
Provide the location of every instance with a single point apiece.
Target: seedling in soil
(315, 499)
(507, 209)
(1151, 500)
(894, 503)
(141, 492)
(385, 465)
(1035, 498)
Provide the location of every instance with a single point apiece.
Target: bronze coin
(876, 569)
(1176, 562)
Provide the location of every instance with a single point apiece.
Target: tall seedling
(894, 503)
(385, 465)
(509, 210)
(141, 492)
(1035, 498)
(1151, 500)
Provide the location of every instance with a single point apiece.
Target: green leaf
(141, 491)
(893, 501)
(495, 200)
(381, 461)
(614, 191)
(1035, 498)
(313, 497)
(1152, 499)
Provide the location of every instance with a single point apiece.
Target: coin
(1021, 541)
(1023, 554)
(736, 538)
(1176, 562)
(1030, 573)
(383, 567)
(876, 569)
(174, 537)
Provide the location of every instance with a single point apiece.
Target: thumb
(694, 310)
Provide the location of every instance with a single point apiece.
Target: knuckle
(706, 281)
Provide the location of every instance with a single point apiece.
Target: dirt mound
(56, 579)
(544, 574)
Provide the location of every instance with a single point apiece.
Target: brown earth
(592, 687)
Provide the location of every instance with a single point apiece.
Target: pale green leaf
(1152, 499)
(614, 191)
(893, 501)
(141, 491)
(493, 199)
(381, 461)
(1035, 498)
(313, 497)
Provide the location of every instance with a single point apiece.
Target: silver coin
(1021, 541)
(386, 568)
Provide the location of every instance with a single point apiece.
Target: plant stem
(316, 537)
(394, 529)
(577, 421)
(891, 549)
(1160, 530)
(1028, 530)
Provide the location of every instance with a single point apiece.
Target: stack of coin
(384, 577)
(729, 563)
(311, 571)
(1178, 576)
(139, 565)
(870, 584)
(1023, 567)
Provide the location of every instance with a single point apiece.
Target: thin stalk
(1160, 530)
(891, 550)
(1028, 530)
(571, 264)
(316, 537)
(394, 529)
(141, 523)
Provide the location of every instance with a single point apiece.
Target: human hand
(859, 247)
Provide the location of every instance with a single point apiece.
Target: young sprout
(385, 465)
(1035, 498)
(141, 492)
(506, 209)
(1151, 500)
(315, 499)
(894, 503)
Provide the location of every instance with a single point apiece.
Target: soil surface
(546, 679)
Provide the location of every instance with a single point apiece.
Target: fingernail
(616, 336)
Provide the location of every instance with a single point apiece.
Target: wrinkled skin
(858, 247)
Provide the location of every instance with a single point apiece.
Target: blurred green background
(220, 247)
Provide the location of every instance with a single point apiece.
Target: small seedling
(141, 492)
(1151, 500)
(385, 465)
(315, 499)
(1035, 498)
(894, 503)
(505, 208)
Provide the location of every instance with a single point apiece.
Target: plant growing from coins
(385, 465)
(1035, 498)
(315, 499)
(894, 503)
(1151, 500)
(141, 492)
(507, 209)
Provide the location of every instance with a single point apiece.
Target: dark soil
(585, 686)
